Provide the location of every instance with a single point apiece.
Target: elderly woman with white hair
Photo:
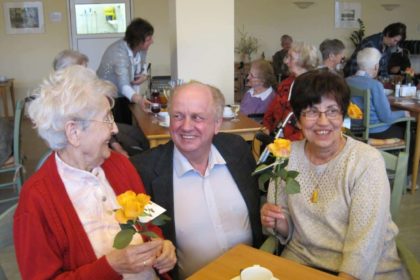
(64, 224)
(380, 109)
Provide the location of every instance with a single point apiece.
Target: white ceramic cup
(256, 272)
(164, 117)
(227, 112)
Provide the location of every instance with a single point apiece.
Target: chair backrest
(20, 105)
(364, 96)
(6, 227)
(397, 170)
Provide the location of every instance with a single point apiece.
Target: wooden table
(4, 88)
(229, 264)
(157, 135)
(412, 105)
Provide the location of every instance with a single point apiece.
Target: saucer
(239, 278)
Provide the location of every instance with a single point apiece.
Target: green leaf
(292, 174)
(262, 180)
(150, 234)
(283, 174)
(123, 238)
(292, 186)
(161, 220)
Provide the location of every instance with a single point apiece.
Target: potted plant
(356, 36)
(246, 46)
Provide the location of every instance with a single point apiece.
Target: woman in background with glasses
(263, 83)
(340, 222)
(64, 225)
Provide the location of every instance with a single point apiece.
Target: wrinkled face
(291, 60)
(254, 78)
(193, 122)
(324, 130)
(392, 41)
(94, 141)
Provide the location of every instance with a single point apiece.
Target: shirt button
(103, 198)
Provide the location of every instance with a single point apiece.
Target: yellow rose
(354, 112)
(143, 199)
(120, 217)
(132, 206)
(124, 197)
(280, 148)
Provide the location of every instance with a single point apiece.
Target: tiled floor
(408, 220)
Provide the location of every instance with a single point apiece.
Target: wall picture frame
(347, 13)
(23, 17)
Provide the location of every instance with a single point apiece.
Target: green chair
(16, 169)
(408, 259)
(363, 129)
(8, 264)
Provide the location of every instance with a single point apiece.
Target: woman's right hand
(269, 214)
(135, 258)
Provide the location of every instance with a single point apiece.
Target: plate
(164, 124)
(228, 116)
(388, 91)
(239, 278)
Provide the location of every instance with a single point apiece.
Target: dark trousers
(121, 111)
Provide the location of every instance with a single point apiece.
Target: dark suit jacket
(156, 170)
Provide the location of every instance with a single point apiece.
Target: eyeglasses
(314, 114)
(252, 76)
(109, 119)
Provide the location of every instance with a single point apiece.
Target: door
(95, 24)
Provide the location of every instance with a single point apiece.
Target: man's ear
(73, 130)
(218, 125)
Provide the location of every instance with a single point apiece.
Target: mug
(164, 117)
(256, 272)
(227, 112)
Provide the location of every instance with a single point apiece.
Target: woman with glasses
(301, 57)
(262, 81)
(64, 225)
(340, 222)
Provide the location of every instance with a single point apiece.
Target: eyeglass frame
(109, 120)
(319, 113)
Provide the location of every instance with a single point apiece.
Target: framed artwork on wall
(347, 13)
(23, 17)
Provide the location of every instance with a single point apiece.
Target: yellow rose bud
(120, 217)
(354, 112)
(280, 148)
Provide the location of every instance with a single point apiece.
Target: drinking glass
(235, 109)
(155, 108)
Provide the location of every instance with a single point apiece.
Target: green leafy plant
(356, 36)
(247, 45)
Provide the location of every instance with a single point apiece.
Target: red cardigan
(49, 238)
(278, 110)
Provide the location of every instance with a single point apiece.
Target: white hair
(73, 93)
(368, 58)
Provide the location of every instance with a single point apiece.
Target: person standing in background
(280, 68)
(123, 64)
(384, 42)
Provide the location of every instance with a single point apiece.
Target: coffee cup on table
(164, 118)
(227, 112)
(256, 272)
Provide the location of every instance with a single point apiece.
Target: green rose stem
(276, 190)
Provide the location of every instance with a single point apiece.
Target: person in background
(399, 61)
(129, 140)
(300, 58)
(332, 51)
(384, 42)
(64, 225)
(124, 64)
(281, 70)
(262, 81)
(6, 141)
(67, 58)
(203, 179)
(368, 61)
(340, 222)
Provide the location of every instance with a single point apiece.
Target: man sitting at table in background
(203, 179)
(280, 68)
(332, 52)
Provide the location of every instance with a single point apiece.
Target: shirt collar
(135, 59)
(182, 166)
(264, 95)
(75, 173)
(362, 73)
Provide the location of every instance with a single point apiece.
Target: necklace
(315, 192)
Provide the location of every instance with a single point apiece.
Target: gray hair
(217, 96)
(69, 57)
(309, 56)
(368, 58)
(73, 93)
(329, 46)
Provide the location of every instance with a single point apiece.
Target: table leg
(416, 157)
